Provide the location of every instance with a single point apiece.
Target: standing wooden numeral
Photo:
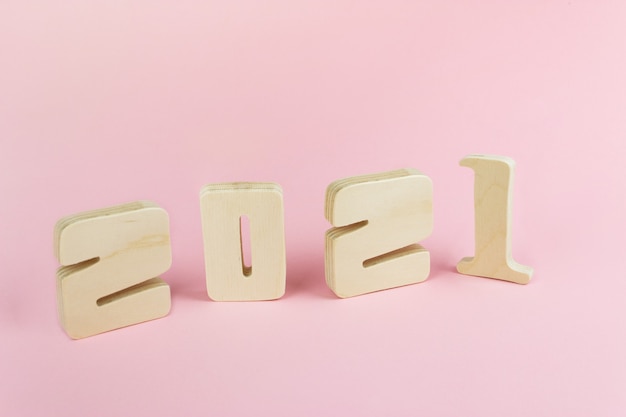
(228, 278)
(110, 259)
(492, 204)
(378, 220)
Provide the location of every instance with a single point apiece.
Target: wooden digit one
(227, 277)
(110, 259)
(492, 204)
(378, 220)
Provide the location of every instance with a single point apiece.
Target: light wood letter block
(493, 195)
(227, 277)
(378, 220)
(111, 258)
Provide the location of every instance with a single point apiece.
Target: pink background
(106, 102)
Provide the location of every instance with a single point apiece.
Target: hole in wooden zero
(246, 246)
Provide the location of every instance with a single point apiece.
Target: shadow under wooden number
(111, 258)
(224, 209)
(493, 197)
(378, 220)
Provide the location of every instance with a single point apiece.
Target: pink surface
(107, 102)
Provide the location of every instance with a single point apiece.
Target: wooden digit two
(378, 220)
(111, 259)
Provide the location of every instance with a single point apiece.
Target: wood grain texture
(227, 278)
(111, 258)
(378, 220)
(493, 195)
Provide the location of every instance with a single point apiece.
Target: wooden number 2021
(111, 257)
